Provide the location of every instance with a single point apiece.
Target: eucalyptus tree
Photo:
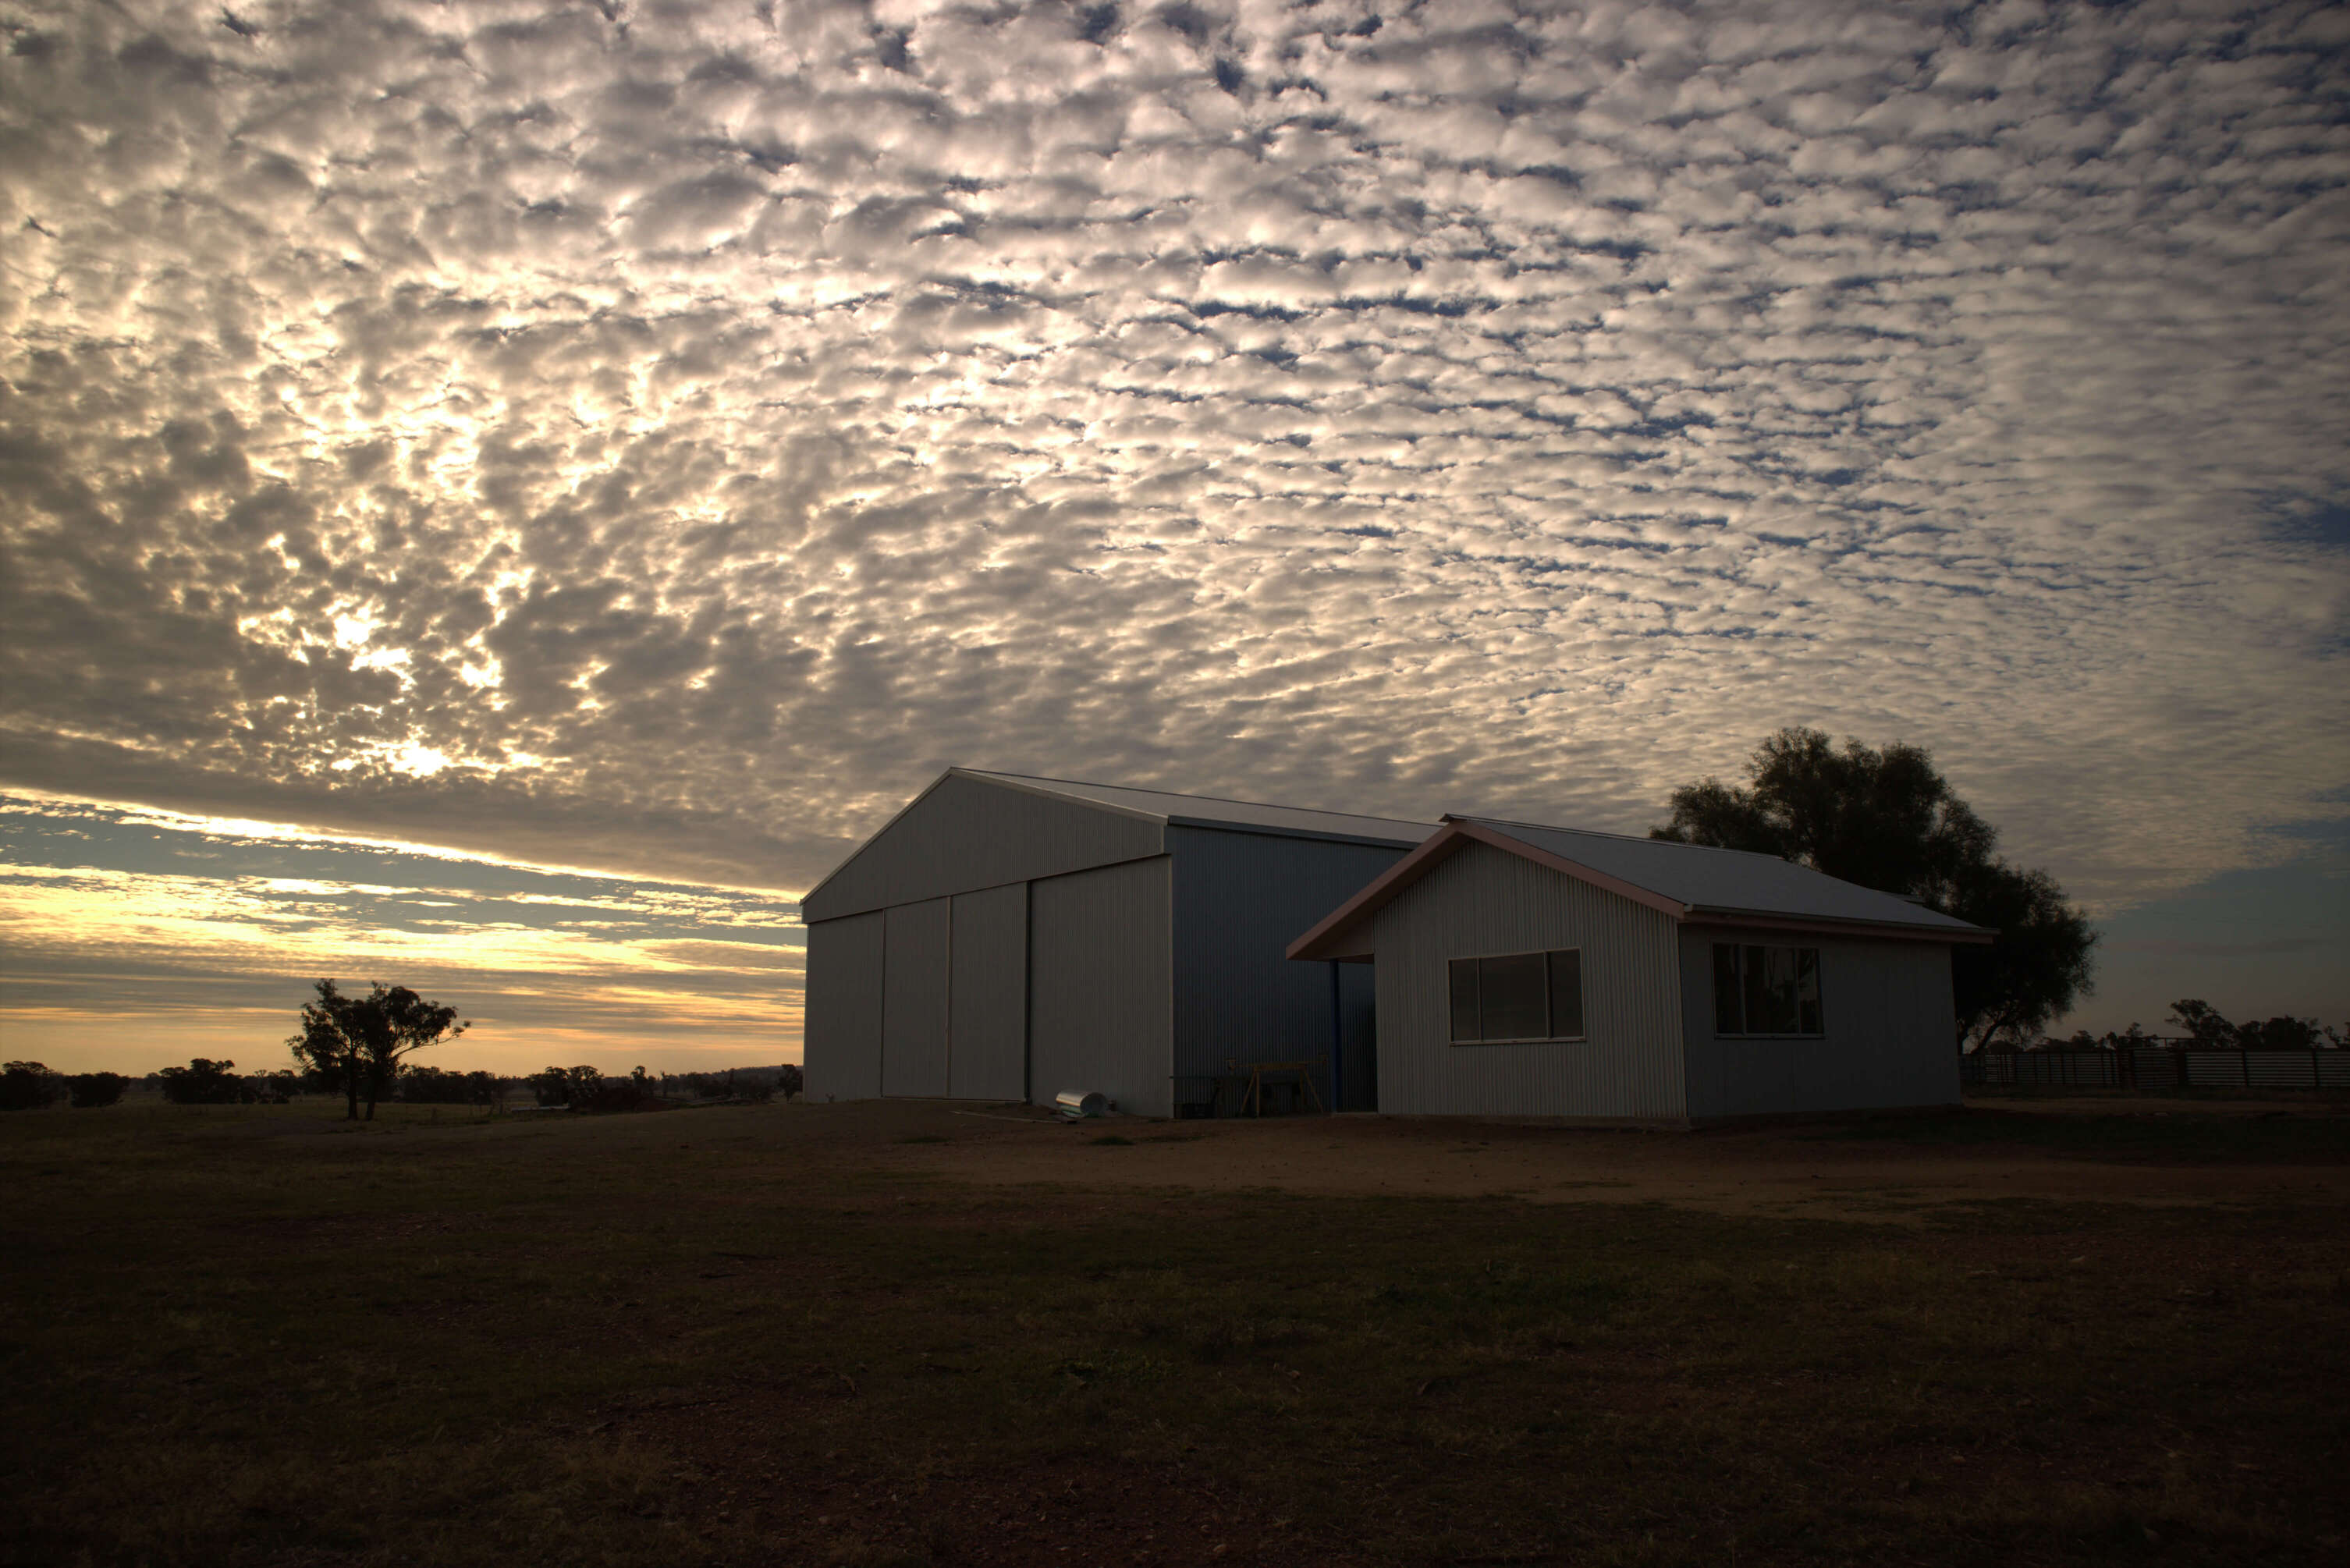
(357, 1043)
(1889, 819)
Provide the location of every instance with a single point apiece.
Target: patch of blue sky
(2254, 943)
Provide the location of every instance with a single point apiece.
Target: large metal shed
(1531, 970)
(1005, 937)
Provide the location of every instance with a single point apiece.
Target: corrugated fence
(2169, 1069)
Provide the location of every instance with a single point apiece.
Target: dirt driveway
(1825, 1170)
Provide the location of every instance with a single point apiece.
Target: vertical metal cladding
(1482, 901)
(1100, 1007)
(843, 1013)
(988, 1028)
(1889, 1039)
(914, 998)
(1240, 900)
(1358, 1082)
(967, 834)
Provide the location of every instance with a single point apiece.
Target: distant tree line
(359, 1047)
(204, 1082)
(32, 1085)
(2206, 1030)
(428, 1085)
(29, 1085)
(586, 1088)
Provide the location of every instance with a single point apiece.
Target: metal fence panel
(2161, 1069)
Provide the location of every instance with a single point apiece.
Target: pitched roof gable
(935, 843)
(1691, 883)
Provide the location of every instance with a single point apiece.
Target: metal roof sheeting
(1202, 811)
(1706, 880)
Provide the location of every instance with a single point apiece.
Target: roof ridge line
(1220, 799)
(1631, 838)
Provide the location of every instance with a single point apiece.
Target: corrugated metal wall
(987, 1050)
(1358, 1088)
(1889, 1036)
(914, 980)
(968, 834)
(1482, 901)
(843, 1013)
(1240, 900)
(1100, 1009)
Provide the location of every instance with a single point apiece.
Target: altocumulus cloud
(655, 436)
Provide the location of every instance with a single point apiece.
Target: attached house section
(1533, 971)
(1482, 904)
(1882, 1036)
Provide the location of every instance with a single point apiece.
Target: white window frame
(1581, 991)
(1819, 978)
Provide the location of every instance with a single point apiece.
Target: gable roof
(1691, 883)
(1208, 811)
(970, 829)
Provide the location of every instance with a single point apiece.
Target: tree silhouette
(2214, 1032)
(91, 1091)
(205, 1082)
(1888, 819)
(357, 1043)
(27, 1086)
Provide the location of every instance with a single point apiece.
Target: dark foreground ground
(899, 1334)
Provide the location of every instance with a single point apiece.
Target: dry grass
(249, 1337)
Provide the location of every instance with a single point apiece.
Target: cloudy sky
(507, 493)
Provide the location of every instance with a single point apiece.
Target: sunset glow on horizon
(138, 939)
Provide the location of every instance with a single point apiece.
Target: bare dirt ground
(1826, 1170)
(899, 1334)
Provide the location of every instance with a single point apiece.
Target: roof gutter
(1711, 915)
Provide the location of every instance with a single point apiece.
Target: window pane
(1512, 997)
(1726, 1014)
(1565, 994)
(1754, 990)
(1786, 1016)
(1807, 989)
(1464, 999)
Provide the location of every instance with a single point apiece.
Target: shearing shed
(1004, 938)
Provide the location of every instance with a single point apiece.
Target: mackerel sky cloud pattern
(657, 437)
